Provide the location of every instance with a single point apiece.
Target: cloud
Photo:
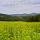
(9, 3)
(6, 3)
(35, 1)
(19, 6)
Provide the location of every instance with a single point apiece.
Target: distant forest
(27, 18)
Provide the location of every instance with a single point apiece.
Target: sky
(19, 6)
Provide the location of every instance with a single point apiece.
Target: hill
(33, 17)
(31, 14)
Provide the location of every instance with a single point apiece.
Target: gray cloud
(19, 6)
(35, 1)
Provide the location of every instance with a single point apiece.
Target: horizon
(19, 6)
(20, 13)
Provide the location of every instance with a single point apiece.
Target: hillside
(33, 17)
(31, 14)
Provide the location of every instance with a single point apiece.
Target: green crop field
(19, 30)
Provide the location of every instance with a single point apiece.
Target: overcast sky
(19, 6)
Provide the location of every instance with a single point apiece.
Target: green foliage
(19, 30)
(35, 18)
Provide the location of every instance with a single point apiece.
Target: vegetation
(27, 18)
(19, 30)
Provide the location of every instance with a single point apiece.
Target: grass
(19, 30)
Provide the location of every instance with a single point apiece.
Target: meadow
(19, 30)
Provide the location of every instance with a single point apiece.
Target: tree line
(35, 18)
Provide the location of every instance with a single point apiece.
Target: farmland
(19, 30)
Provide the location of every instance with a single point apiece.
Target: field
(19, 30)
